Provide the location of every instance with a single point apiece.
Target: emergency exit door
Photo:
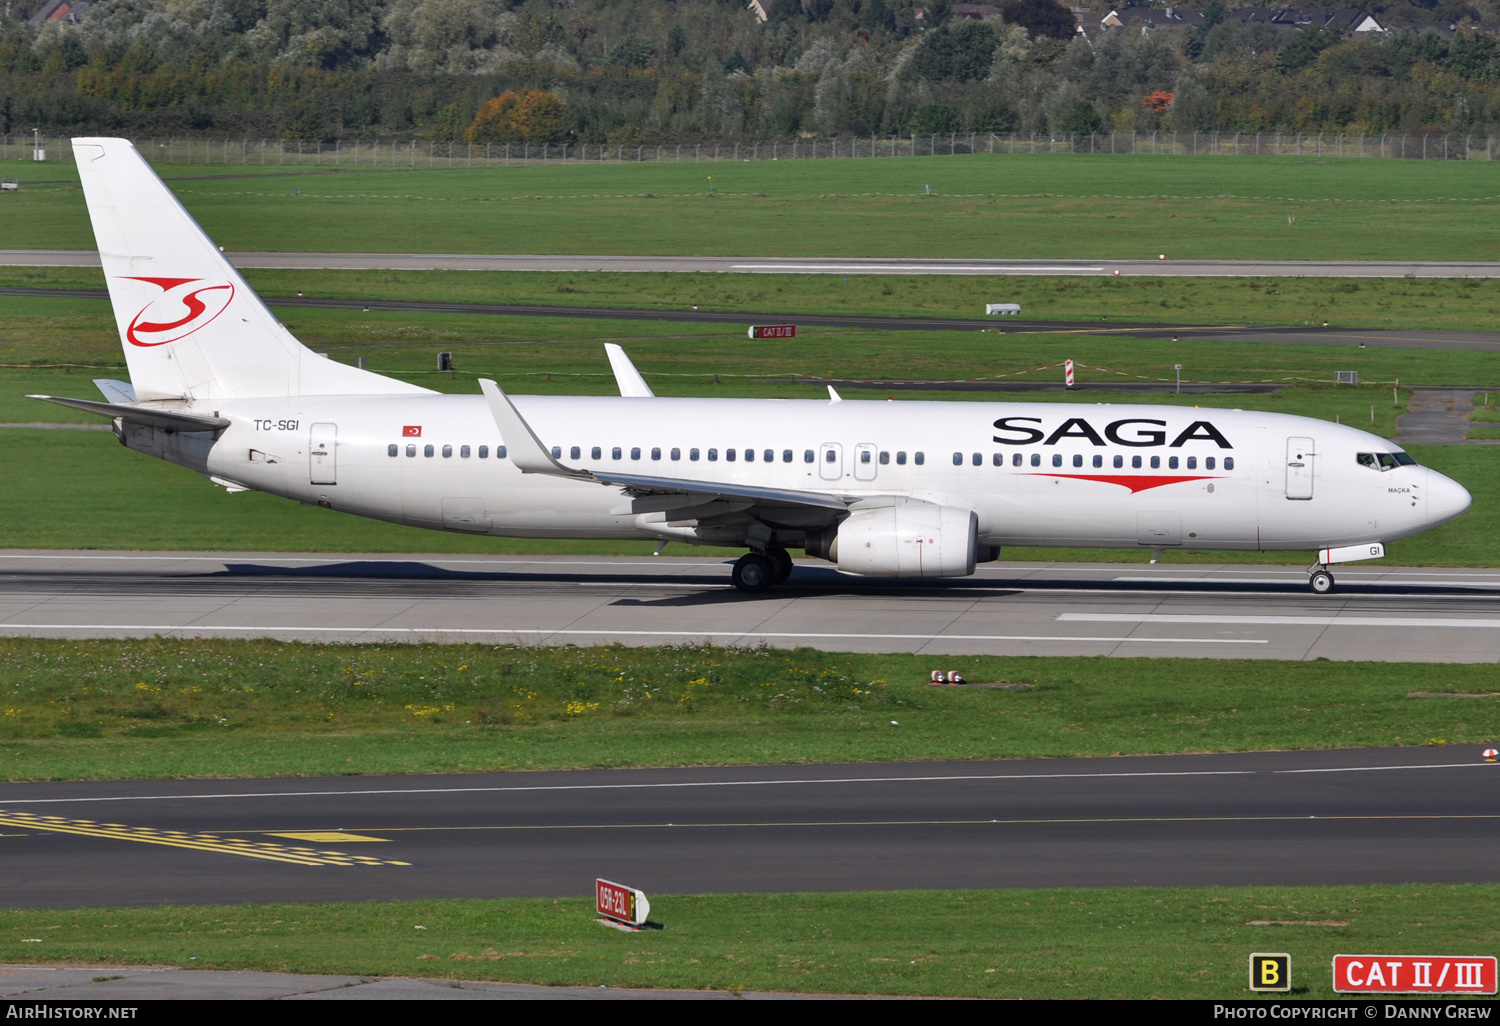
(323, 454)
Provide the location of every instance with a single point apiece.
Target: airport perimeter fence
(429, 153)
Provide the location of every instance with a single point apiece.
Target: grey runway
(1428, 815)
(575, 263)
(1381, 613)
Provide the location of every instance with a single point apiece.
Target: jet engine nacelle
(914, 540)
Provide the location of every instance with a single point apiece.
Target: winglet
(522, 445)
(833, 396)
(632, 385)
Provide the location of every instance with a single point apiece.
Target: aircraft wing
(528, 453)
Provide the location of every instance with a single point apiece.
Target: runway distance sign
(773, 331)
(620, 903)
(1413, 974)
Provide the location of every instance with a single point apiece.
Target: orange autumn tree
(534, 116)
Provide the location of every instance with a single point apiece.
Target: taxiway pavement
(1403, 614)
(1428, 815)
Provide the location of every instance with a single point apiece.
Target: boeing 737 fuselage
(895, 489)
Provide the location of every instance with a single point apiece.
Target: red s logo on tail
(184, 306)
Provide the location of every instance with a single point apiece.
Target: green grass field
(167, 708)
(1097, 943)
(1451, 303)
(982, 206)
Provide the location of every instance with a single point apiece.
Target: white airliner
(882, 489)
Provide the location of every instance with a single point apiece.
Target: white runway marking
(1280, 621)
(669, 785)
(916, 269)
(533, 631)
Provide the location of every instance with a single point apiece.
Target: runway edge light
(1271, 971)
(624, 908)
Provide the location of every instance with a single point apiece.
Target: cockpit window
(1384, 460)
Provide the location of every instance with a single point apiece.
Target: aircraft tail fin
(190, 325)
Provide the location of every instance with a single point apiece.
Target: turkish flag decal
(412, 431)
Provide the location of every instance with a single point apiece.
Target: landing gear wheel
(1321, 582)
(753, 572)
(781, 562)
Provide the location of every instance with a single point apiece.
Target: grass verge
(161, 708)
(1040, 205)
(1105, 943)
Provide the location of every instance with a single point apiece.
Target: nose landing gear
(1320, 580)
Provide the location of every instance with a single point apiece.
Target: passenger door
(323, 454)
(1299, 468)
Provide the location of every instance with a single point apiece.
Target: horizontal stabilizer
(167, 419)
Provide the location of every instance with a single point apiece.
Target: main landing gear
(757, 571)
(1319, 579)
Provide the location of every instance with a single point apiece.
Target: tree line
(664, 71)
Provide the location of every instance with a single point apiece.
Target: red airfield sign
(773, 331)
(1413, 974)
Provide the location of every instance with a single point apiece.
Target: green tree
(1041, 18)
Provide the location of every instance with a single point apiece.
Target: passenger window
(786, 455)
(958, 459)
(596, 453)
(484, 452)
(977, 459)
(713, 455)
(1192, 463)
(1098, 461)
(499, 452)
(728, 455)
(900, 459)
(556, 451)
(411, 450)
(693, 455)
(1057, 459)
(1135, 463)
(656, 453)
(635, 452)
(749, 455)
(1015, 460)
(807, 455)
(769, 456)
(919, 458)
(427, 450)
(1036, 459)
(676, 454)
(392, 449)
(1208, 463)
(1077, 459)
(885, 458)
(999, 459)
(1172, 463)
(1228, 462)
(864, 455)
(573, 453)
(831, 456)
(1119, 462)
(616, 453)
(463, 452)
(1155, 462)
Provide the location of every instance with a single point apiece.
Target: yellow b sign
(1270, 972)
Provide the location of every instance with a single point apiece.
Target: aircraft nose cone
(1446, 498)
